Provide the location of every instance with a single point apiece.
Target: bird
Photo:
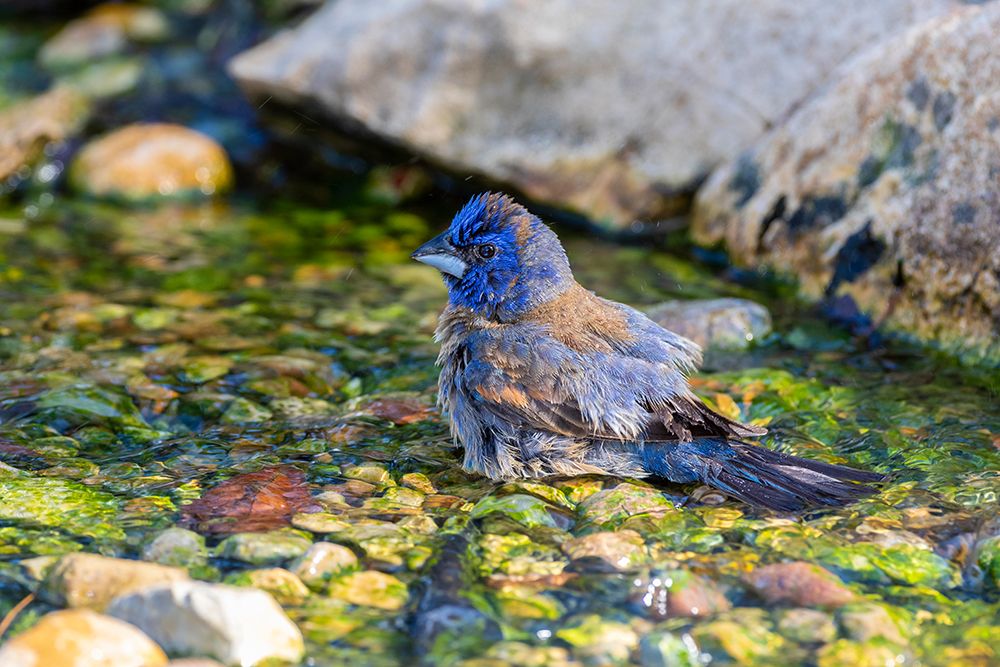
(541, 377)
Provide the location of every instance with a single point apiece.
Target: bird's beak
(442, 255)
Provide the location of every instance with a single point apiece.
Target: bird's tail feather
(758, 475)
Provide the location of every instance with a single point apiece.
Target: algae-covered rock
(284, 586)
(370, 589)
(419, 482)
(270, 548)
(515, 554)
(89, 580)
(81, 638)
(178, 547)
(526, 655)
(677, 593)
(743, 636)
(57, 503)
(610, 507)
(518, 603)
(620, 550)
(320, 522)
(865, 621)
(151, 161)
(529, 511)
(238, 626)
(322, 561)
(845, 653)
(806, 626)
(371, 473)
(666, 649)
(799, 583)
(599, 641)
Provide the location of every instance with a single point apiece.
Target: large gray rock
(612, 109)
(885, 186)
(238, 626)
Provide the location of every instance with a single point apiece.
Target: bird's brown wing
(531, 380)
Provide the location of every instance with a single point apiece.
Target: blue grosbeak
(542, 377)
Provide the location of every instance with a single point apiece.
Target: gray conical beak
(441, 254)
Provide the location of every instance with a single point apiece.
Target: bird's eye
(486, 250)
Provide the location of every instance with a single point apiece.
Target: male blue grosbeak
(542, 377)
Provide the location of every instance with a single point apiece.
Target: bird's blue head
(497, 259)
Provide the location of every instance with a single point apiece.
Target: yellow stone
(152, 160)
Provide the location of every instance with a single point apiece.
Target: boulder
(89, 580)
(721, 323)
(81, 638)
(151, 160)
(237, 626)
(883, 187)
(614, 111)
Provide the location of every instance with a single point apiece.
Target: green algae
(280, 335)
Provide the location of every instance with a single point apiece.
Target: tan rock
(28, 126)
(724, 323)
(883, 187)
(322, 561)
(103, 31)
(81, 638)
(801, 584)
(618, 550)
(89, 580)
(152, 160)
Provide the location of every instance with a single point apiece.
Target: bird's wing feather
(530, 379)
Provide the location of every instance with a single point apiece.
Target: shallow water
(149, 354)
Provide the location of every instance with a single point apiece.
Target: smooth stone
(600, 641)
(194, 662)
(103, 31)
(270, 548)
(285, 586)
(369, 472)
(370, 588)
(178, 547)
(622, 550)
(678, 594)
(807, 626)
(320, 522)
(237, 626)
(612, 506)
(869, 620)
(579, 103)
(845, 653)
(418, 481)
(893, 204)
(721, 323)
(89, 580)
(799, 583)
(28, 126)
(81, 638)
(151, 160)
(666, 649)
(322, 561)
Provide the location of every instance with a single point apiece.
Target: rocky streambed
(219, 445)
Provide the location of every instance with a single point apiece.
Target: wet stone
(743, 636)
(845, 653)
(865, 621)
(322, 562)
(370, 473)
(806, 626)
(599, 641)
(284, 586)
(270, 548)
(238, 626)
(721, 323)
(89, 580)
(666, 649)
(418, 481)
(320, 522)
(370, 588)
(677, 593)
(610, 507)
(81, 638)
(622, 550)
(178, 547)
(529, 511)
(526, 655)
(799, 583)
